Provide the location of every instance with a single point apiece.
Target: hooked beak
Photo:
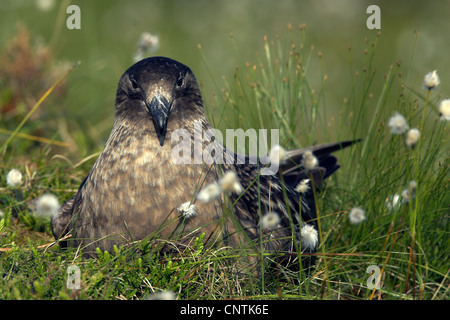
(159, 109)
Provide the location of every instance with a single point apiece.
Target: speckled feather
(135, 188)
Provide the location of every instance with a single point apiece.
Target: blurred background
(36, 48)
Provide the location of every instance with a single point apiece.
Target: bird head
(156, 88)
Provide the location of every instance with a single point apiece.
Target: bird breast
(134, 173)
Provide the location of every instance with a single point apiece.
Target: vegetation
(407, 238)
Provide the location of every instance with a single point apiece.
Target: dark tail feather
(61, 222)
(295, 156)
(293, 172)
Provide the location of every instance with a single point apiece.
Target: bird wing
(294, 172)
(61, 221)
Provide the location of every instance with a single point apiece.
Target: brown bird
(141, 184)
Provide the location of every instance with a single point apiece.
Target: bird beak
(159, 109)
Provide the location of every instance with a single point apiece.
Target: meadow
(400, 185)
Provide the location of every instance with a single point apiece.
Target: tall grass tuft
(407, 240)
(399, 191)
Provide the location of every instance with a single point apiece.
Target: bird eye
(134, 83)
(180, 81)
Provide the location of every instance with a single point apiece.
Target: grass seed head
(47, 205)
(270, 220)
(309, 237)
(412, 137)
(309, 161)
(14, 178)
(357, 215)
(444, 109)
(187, 210)
(398, 124)
(303, 186)
(277, 154)
(209, 193)
(431, 80)
(230, 183)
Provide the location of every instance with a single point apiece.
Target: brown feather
(135, 187)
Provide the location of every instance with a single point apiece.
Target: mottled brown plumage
(135, 188)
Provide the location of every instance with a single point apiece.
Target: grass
(408, 242)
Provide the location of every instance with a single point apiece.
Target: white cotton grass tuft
(270, 220)
(209, 193)
(187, 210)
(47, 205)
(162, 295)
(393, 202)
(412, 137)
(444, 109)
(229, 182)
(406, 195)
(309, 237)
(410, 192)
(309, 161)
(413, 185)
(147, 44)
(277, 154)
(357, 215)
(45, 5)
(303, 186)
(398, 124)
(14, 178)
(431, 80)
